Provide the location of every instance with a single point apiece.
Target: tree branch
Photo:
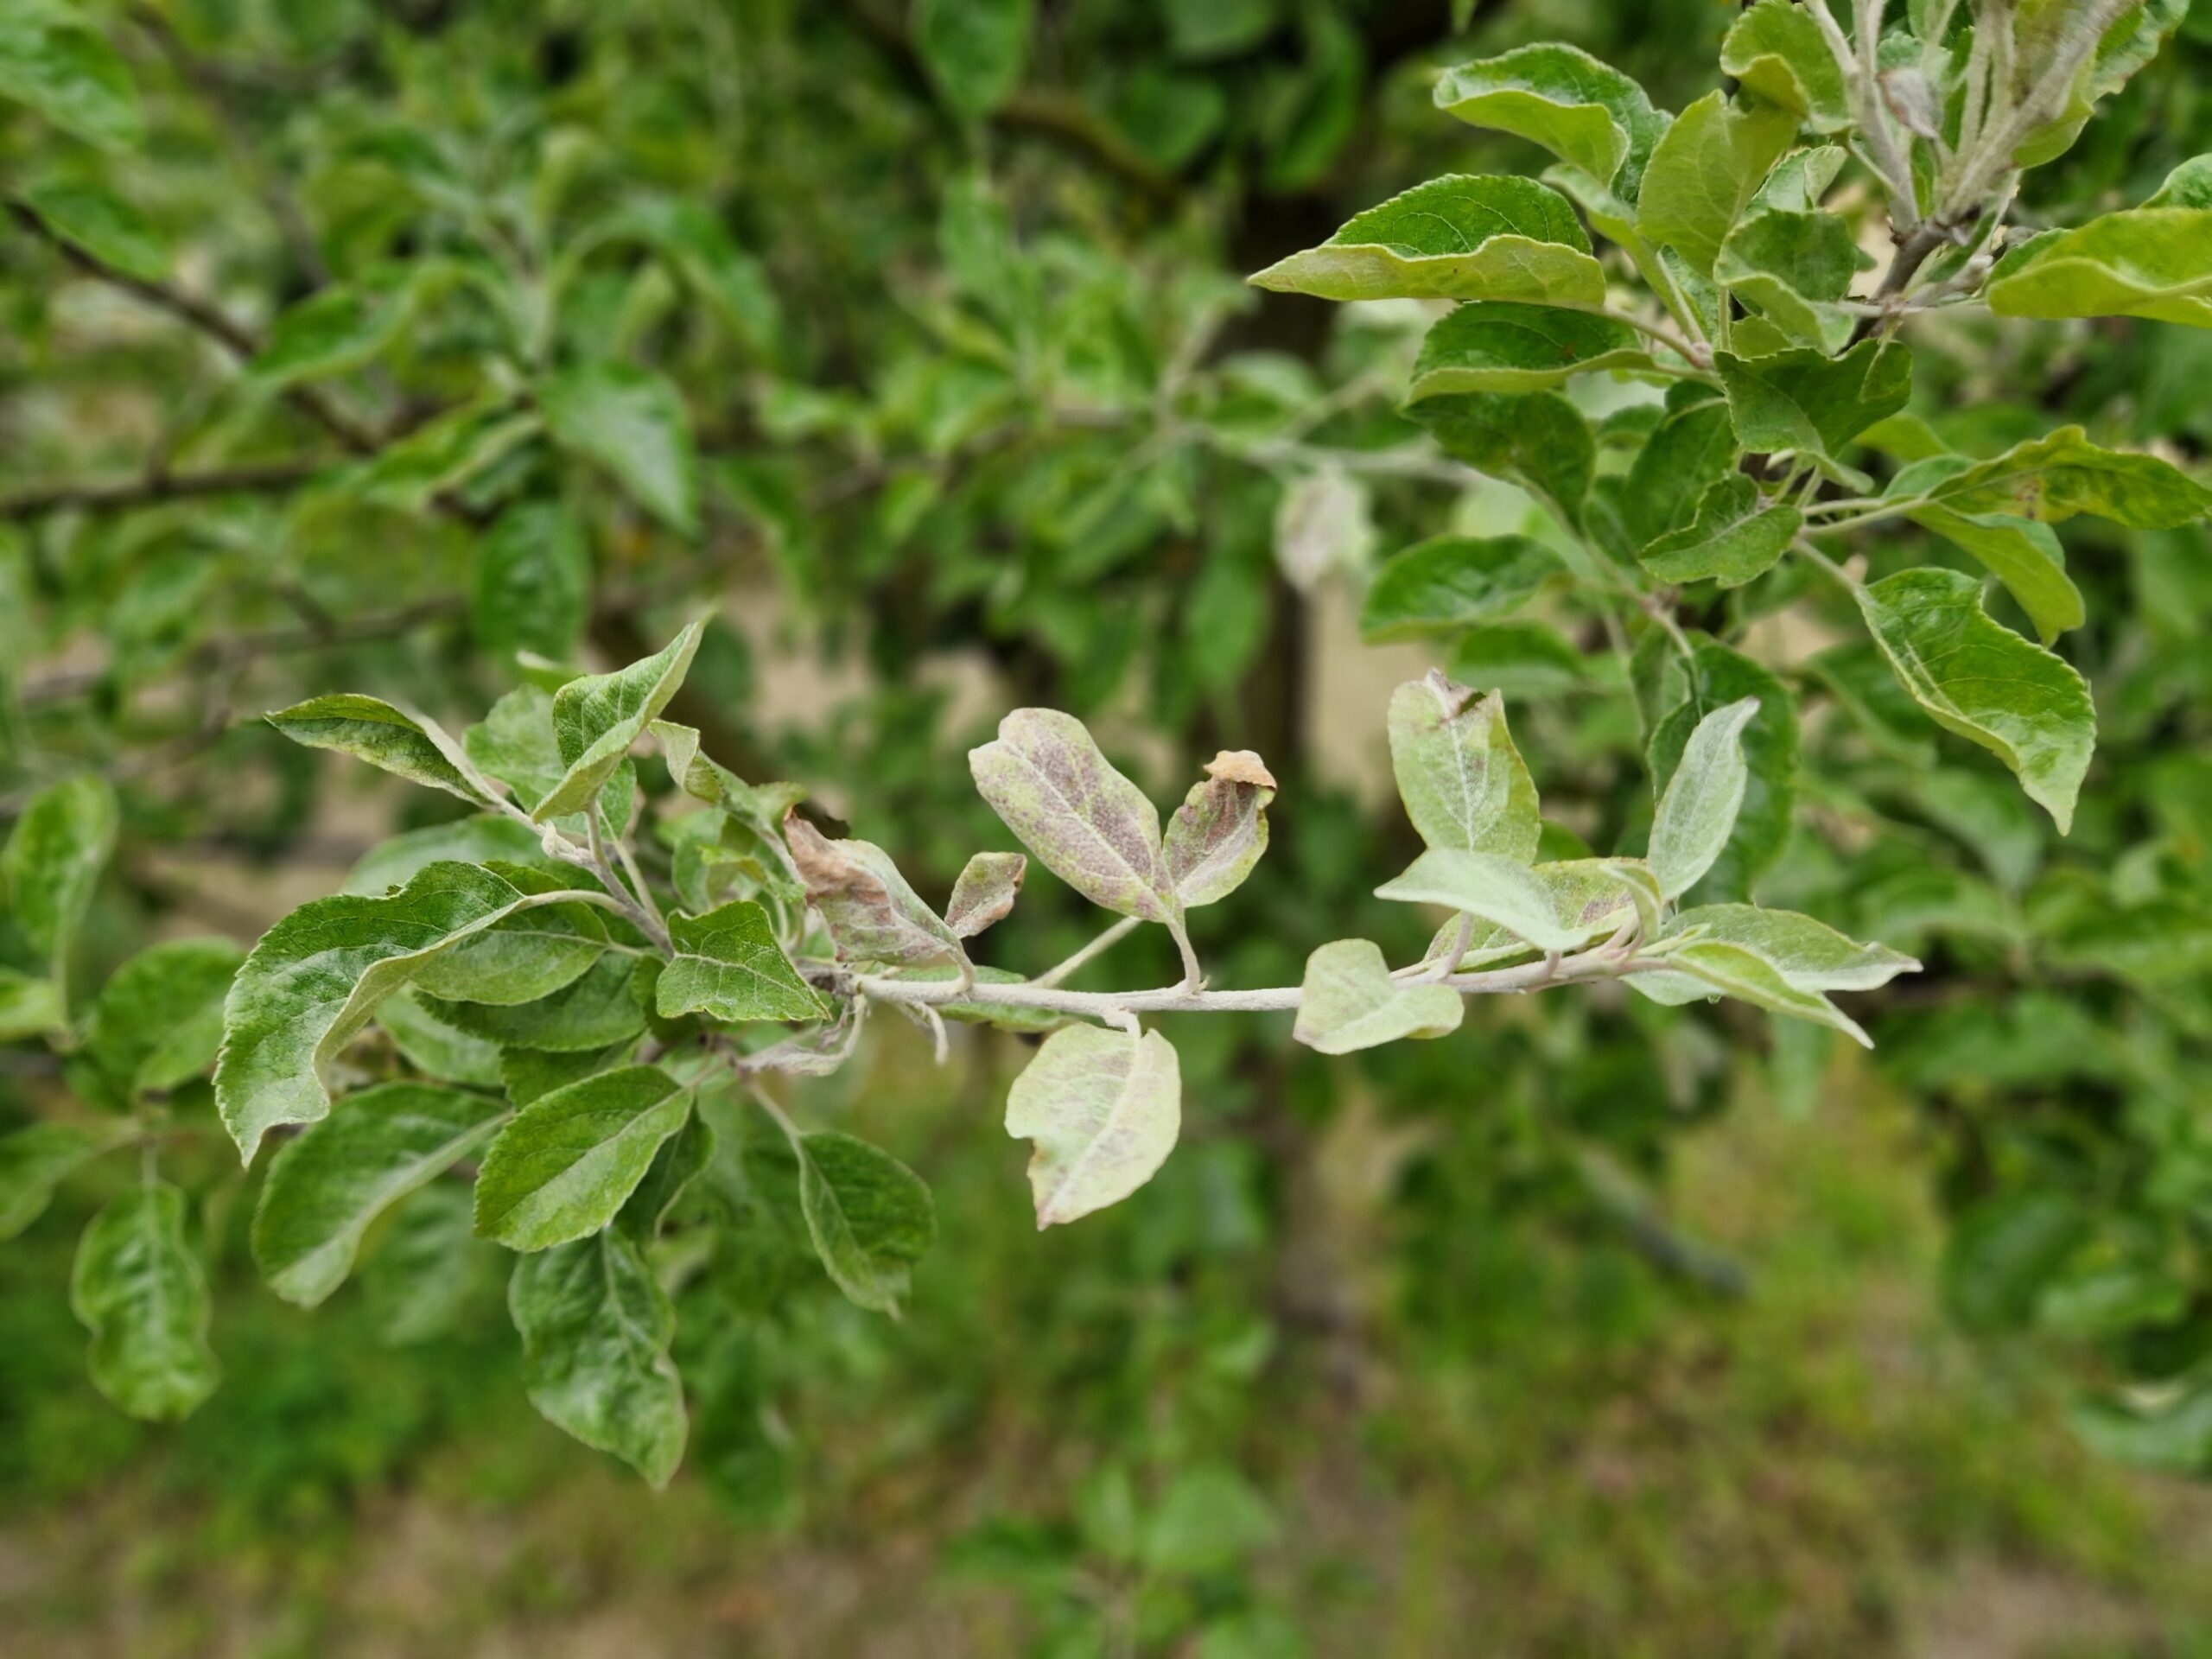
(157, 486)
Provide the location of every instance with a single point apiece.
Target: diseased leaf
(1809, 953)
(985, 891)
(370, 729)
(601, 1009)
(35, 1158)
(1584, 111)
(1738, 971)
(52, 863)
(102, 224)
(1447, 583)
(1985, 682)
(1492, 346)
(2052, 478)
(2131, 39)
(598, 717)
(1736, 536)
(1705, 169)
(159, 1018)
(729, 966)
(596, 1328)
(870, 1217)
(635, 424)
(1324, 527)
(2022, 553)
(326, 1184)
(1103, 1109)
(1776, 50)
(526, 955)
(1464, 783)
(1455, 238)
(1698, 810)
(1795, 267)
(2147, 261)
(315, 977)
(1216, 837)
(761, 807)
(1091, 826)
(1719, 675)
(873, 915)
(142, 1293)
(1812, 405)
(533, 581)
(1499, 890)
(1350, 1002)
(563, 1166)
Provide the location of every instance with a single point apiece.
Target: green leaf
(1447, 583)
(159, 1018)
(634, 422)
(1209, 1524)
(2189, 185)
(1463, 782)
(1812, 405)
(53, 862)
(335, 329)
(1456, 237)
(565, 1164)
(1498, 890)
(1719, 676)
(435, 1048)
(728, 966)
(1985, 682)
(1217, 835)
(139, 1289)
(693, 240)
(1692, 449)
(64, 68)
(1698, 810)
(479, 838)
(1809, 953)
(1776, 51)
(533, 581)
(596, 1011)
(2022, 553)
(1801, 179)
(1536, 439)
(529, 1074)
(1090, 825)
(872, 913)
(412, 746)
(870, 1217)
(1795, 267)
(316, 977)
(1738, 971)
(428, 1268)
(2002, 1251)
(2131, 39)
(2151, 944)
(683, 1158)
(444, 454)
(35, 1159)
(596, 718)
(526, 955)
(326, 1185)
(28, 1007)
(1103, 1109)
(596, 1328)
(1585, 112)
(1736, 536)
(1348, 1001)
(975, 50)
(2149, 262)
(2052, 478)
(103, 224)
(1493, 346)
(1705, 169)
(985, 891)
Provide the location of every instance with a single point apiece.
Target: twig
(156, 487)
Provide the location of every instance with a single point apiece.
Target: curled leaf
(985, 891)
(1221, 830)
(871, 912)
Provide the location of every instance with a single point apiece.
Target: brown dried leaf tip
(1241, 766)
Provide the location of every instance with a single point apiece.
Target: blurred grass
(1601, 1468)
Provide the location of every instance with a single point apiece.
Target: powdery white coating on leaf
(597, 718)
(1091, 826)
(570, 1159)
(1323, 525)
(727, 965)
(985, 891)
(373, 730)
(1515, 897)
(1809, 954)
(1702, 798)
(1221, 830)
(1707, 965)
(870, 1217)
(1104, 1109)
(1465, 785)
(142, 1293)
(871, 914)
(1350, 1002)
